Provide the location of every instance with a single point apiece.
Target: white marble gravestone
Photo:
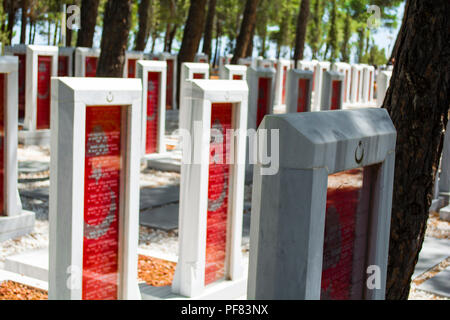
(191, 71)
(346, 70)
(261, 84)
(248, 62)
(299, 91)
(322, 67)
(368, 85)
(131, 59)
(86, 61)
(333, 91)
(320, 226)
(282, 66)
(153, 76)
(383, 80)
(223, 61)
(212, 190)
(356, 87)
(171, 83)
(37, 64)
(14, 222)
(234, 72)
(94, 188)
(66, 57)
(201, 58)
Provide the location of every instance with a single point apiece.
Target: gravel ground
(152, 239)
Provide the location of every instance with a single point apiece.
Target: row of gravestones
(94, 193)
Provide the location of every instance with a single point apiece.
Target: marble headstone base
(16, 226)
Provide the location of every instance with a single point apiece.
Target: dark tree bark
(69, 34)
(418, 101)
(116, 29)
(248, 22)
(250, 46)
(144, 25)
(172, 37)
(209, 26)
(88, 19)
(11, 7)
(192, 35)
(395, 48)
(23, 24)
(300, 35)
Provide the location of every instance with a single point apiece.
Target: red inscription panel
(103, 164)
(2, 143)
(169, 86)
(43, 92)
(153, 86)
(63, 66)
(345, 240)
(284, 85)
(218, 191)
(303, 95)
(237, 77)
(264, 87)
(91, 67)
(22, 76)
(336, 91)
(199, 76)
(132, 68)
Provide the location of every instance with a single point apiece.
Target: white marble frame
(201, 56)
(31, 86)
(68, 52)
(346, 70)
(144, 67)
(356, 95)
(231, 70)
(9, 66)
(224, 60)
(327, 89)
(368, 84)
(294, 75)
(248, 62)
(164, 57)
(138, 55)
(253, 75)
(80, 59)
(188, 69)
(287, 227)
(383, 82)
(190, 272)
(70, 98)
(322, 67)
(280, 65)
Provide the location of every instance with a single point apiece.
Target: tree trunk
(69, 34)
(333, 43)
(23, 26)
(55, 35)
(345, 55)
(12, 10)
(116, 29)
(166, 38)
(88, 18)
(192, 35)
(172, 37)
(418, 102)
(300, 36)
(144, 25)
(249, 51)
(394, 50)
(209, 26)
(248, 22)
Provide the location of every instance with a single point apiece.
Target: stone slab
(17, 226)
(444, 213)
(158, 197)
(6, 275)
(167, 163)
(164, 218)
(439, 284)
(433, 252)
(33, 264)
